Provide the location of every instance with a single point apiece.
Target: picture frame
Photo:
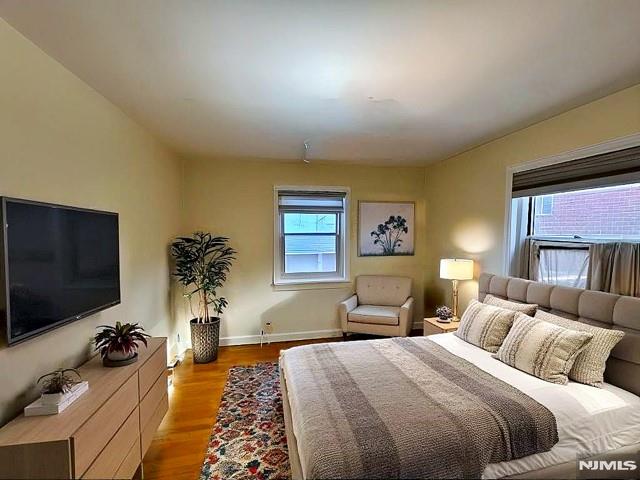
(386, 228)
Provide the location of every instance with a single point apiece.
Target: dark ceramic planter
(205, 339)
(119, 360)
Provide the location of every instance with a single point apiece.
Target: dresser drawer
(152, 425)
(150, 402)
(151, 370)
(93, 436)
(131, 462)
(110, 459)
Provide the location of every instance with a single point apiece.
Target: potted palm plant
(118, 345)
(202, 263)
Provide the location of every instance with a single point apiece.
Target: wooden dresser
(104, 434)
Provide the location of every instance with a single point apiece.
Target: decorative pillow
(590, 362)
(542, 349)
(485, 326)
(526, 308)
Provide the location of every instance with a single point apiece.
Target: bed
(591, 423)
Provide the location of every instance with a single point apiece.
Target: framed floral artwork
(386, 228)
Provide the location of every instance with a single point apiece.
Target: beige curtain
(519, 241)
(615, 268)
(520, 259)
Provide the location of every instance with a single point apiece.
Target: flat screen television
(60, 264)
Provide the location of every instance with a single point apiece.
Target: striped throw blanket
(406, 408)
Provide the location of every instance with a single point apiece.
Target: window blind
(603, 170)
(311, 201)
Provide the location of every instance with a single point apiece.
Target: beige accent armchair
(382, 305)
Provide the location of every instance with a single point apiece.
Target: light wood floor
(179, 445)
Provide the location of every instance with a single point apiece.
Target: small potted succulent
(444, 314)
(118, 345)
(55, 385)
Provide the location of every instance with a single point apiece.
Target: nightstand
(433, 326)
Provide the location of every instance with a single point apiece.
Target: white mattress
(590, 420)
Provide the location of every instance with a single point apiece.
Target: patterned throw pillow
(526, 308)
(485, 326)
(542, 349)
(590, 362)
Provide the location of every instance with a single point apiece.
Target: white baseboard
(177, 350)
(280, 337)
(418, 325)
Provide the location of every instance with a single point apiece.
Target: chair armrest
(406, 317)
(344, 308)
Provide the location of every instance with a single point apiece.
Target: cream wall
(62, 142)
(235, 199)
(465, 194)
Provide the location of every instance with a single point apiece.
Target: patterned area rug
(248, 440)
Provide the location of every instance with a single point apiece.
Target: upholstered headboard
(602, 309)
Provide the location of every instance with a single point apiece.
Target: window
(563, 225)
(310, 235)
(610, 213)
(575, 217)
(544, 205)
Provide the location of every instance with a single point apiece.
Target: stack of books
(41, 407)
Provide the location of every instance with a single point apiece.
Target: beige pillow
(590, 362)
(485, 326)
(542, 349)
(526, 308)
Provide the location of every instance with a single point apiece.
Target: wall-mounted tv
(59, 264)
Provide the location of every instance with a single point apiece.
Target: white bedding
(590, 420)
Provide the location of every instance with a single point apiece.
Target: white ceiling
(394, 82)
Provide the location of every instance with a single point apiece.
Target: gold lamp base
(455, 300)
(455, 269)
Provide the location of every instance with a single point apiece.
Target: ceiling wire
(306, 151)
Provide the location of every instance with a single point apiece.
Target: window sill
(316, 284)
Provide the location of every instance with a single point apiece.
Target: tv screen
(60, 264)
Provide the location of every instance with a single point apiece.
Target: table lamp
(455, 269)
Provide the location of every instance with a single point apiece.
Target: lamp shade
(456, 269)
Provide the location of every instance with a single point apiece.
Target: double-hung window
(310, 235)
(561, 210)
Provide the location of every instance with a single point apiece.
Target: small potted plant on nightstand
(444, 314)
(118, 345)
